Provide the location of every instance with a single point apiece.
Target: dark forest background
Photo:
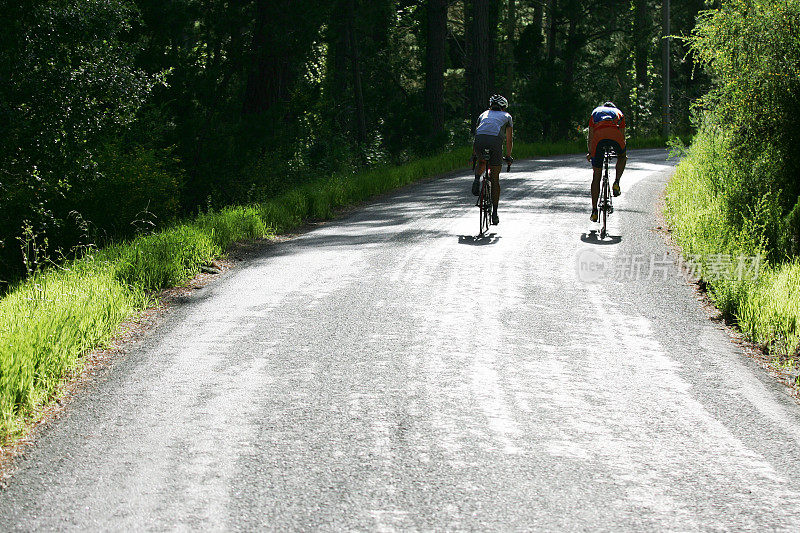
(119, 116)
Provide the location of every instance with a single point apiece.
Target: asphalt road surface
(390, 371)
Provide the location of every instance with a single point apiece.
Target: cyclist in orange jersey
(606, 128)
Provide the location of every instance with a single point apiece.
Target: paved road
(388, 371)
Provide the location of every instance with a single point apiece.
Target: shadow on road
(480, 240)
(593, 237)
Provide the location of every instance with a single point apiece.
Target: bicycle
(484, 203)
(605, 205)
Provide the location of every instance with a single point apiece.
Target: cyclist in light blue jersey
(494, 126)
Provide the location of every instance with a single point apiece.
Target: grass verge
(761, 298)
(54, 317)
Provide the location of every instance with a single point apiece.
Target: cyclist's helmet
(497, 100)
(609, 104)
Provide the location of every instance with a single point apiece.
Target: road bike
(484, 203)
(605, 205)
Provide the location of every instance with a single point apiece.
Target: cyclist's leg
(597, 174)
(481, 143)
(621, 160)
(479, 168)
(495, 163)
(495, 187)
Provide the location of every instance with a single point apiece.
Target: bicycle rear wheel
(485, 204)
(605, 200)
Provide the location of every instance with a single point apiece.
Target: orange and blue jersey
(606, 123)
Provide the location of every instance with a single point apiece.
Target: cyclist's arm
(509, 140)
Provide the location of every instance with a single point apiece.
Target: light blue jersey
(493, 123)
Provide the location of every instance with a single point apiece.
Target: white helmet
(498, 100)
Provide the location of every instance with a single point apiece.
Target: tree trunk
(337, 69)
(469, 64)
(268, 78)
(570, 54)
(538, 20)
(641, 35)
(510, 31)
(355, 66)
(551, 31)
(665, 12)
(481, 29)
(435, 64)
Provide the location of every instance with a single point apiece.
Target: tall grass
(50, 320)
(706, 217)
(48, 323)
(737, 192)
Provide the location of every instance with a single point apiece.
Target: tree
(642, 32)
(278, 57)
(68, 83)
(552, 25)
(511, 19)
(435, 56)
(355, 71)
(481, 53)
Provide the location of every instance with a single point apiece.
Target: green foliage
(710, 222)
(142, 184)
(68, 80)
(232, 224)
(770, 312)
(752, 49)
(46, 324)
(165, 258)
(737, 191)
(791, 237)
(597, 49)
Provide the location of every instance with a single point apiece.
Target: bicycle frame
(606, 204)
(484, 202)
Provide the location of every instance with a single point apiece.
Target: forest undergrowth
(736, 194)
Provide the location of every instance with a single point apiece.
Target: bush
(132, 190)
(231, 225)
(46, 324)
(68, 80)
(712, 218)
(791, 236)
(165, 259)
(752, 48)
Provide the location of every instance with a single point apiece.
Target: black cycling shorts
(495, 145)
(597, 159)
